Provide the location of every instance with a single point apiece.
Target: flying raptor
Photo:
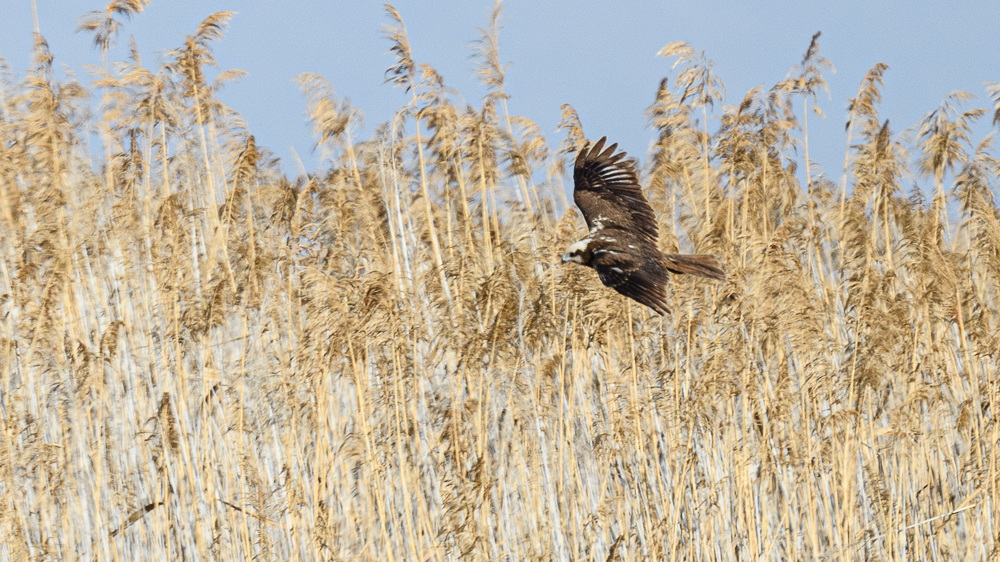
(621, 245)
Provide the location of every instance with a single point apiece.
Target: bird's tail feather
(702, 265)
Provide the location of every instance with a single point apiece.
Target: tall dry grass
(202, 359)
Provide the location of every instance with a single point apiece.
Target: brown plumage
(622, 245)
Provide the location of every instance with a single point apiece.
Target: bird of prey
(621, 245)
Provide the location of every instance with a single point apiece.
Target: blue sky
(599, 58)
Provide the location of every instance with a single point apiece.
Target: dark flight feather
(607, 191)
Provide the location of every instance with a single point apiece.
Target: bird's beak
(565, 257)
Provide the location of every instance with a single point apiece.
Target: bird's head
(578, 253)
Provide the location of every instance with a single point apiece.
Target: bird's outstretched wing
(638, 277)
(607, 191)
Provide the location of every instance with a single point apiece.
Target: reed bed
(201, 358)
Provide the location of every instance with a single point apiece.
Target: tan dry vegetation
(200, 359)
